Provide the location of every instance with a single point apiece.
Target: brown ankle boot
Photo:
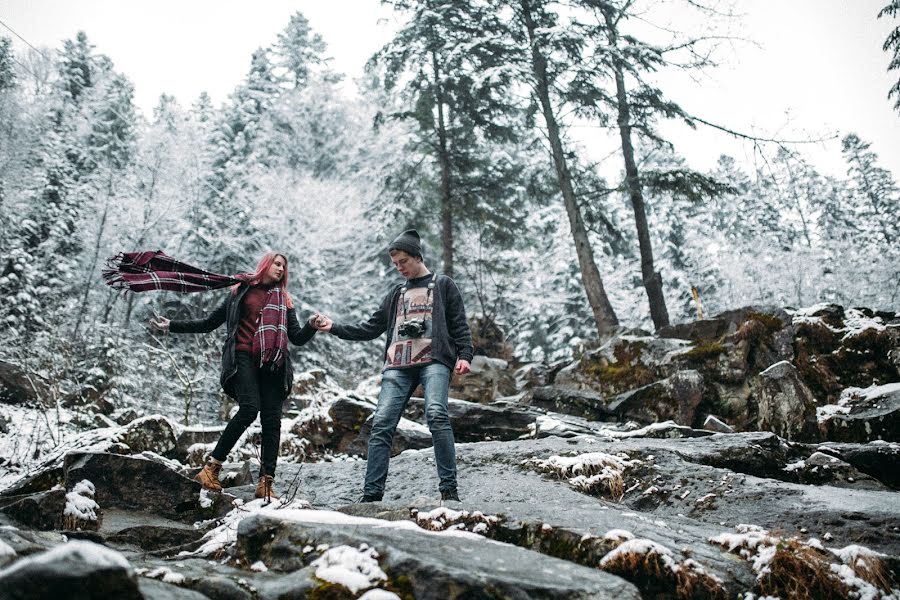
(264, 487)
(209, 477)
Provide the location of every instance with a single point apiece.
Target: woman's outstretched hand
(321, 322)
(160, 323)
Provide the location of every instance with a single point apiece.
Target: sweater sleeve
(366, 330)
(457, 324)
(205, 325)
(298, 334)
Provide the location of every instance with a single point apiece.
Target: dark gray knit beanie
(409, 242)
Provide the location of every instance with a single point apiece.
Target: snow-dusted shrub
(81, 511)
(593, 473)
(442, 519)
(654, 570)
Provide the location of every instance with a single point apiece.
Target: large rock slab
(352, 425)
(674, 398)
(489, 379)
(17, 386)
(78, 570)
(140, 484)
(785, 405)
(427, 565)
(42, 510)
(474, 422)
(863, 415)
(838, 348)
(587, 404)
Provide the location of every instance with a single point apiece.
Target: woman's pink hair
(264, 263)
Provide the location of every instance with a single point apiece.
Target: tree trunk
(444, 160)
(90, 272)
(604, 316)
(652, 279)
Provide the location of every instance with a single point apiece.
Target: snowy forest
(685, 382)
(468, 125)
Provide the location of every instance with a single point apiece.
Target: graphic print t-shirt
(405, 351)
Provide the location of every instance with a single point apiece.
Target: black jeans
(258, 391)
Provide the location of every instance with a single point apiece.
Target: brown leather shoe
(209, 477)
(264, 488)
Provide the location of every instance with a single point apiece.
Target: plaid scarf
(144, 271)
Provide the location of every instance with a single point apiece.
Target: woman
(256, 364)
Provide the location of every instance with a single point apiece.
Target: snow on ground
(353, 568)
(75, 550)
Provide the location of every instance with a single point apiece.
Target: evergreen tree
(439, 69)
(532, 47)
(873, 194)
(222, 235)
(301, 51)
(7, 72)
(892, 45)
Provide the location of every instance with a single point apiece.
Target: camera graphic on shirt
(413, 328)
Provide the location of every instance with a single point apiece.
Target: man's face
(405, 264)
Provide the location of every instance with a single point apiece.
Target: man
(428, 338)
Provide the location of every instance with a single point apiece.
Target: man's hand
(321, 322)
(462, 367)
(159, 323)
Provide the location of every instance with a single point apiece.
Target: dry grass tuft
(800, 572)
(654, 571)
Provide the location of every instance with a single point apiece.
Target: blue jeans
(397, 386)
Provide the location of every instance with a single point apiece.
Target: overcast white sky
(819, 67)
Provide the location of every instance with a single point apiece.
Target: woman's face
(275, 271)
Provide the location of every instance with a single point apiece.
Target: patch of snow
(354, 569)
(379, 594)
(642, 546)
(164, 574)
(618, 535)
(77, 551)
(794, 466)
(206, 498)
(84, 488)
(259, 566)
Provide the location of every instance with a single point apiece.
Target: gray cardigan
(450, 335)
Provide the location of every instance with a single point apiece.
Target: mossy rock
(703, 351)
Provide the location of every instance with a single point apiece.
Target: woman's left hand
(462, 367)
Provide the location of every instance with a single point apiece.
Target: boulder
(713, 423)
(78, 569)
(824, 469)
(188, 436)
(474, 422)
(352, 419)
(42, 510)
(836, 349)
(135, 483)
(672, 399)
(17, 386)
(421, 564)
(572, 401)
(409, 435)
(624, 363)
(488, 379)
(784, 403)
(154, 433)
(878, 459)
(863, 415)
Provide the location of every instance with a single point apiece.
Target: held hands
(160, 324)
(462, 367)
(321, 322)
